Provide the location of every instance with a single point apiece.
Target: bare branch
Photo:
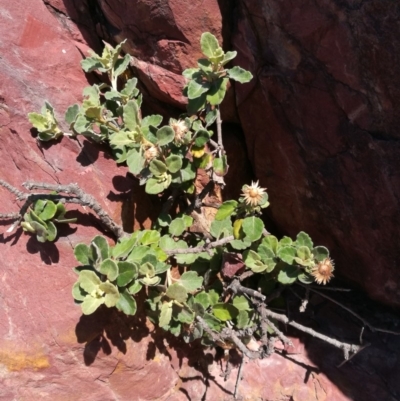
(347, 348)
(238, 378)
(200, 249)
(20, 195)
(365, 322)
(237, 288)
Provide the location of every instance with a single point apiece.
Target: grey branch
(365, 322)
(347, 348)
(200, 249)
(237, 288)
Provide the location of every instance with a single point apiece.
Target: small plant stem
(20, 195)
(219, 132)
(237, 288)
(365, 322)
(199, 249)
(238, 378)
(84, 199)
(345, 347)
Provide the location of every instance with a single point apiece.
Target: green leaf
(157, 167)
(305, 278)
(90, 304)
(124, 246)
(265, 252)
(71, 113)
(287, 254)
(303, 239)
(178, 292)
(240, 244)
(82, 252)
(109, 268)
(131, 115)
(51, 231)
(78, 293)
(165, 314)
(188, 220)
(185, 316)
(154, 120)
(126, 303)
(196, 105)
(90, 64)
(205, 65)
(288, 274)
(203, 299)
(190, 73)
(271, 242)
(212, 322)
(217, 91)
(211, 116)
(102, 245)
(197, 88)
(174, 163)
(150, 281)
(150, 237)
(220, 165)
(191, 281)
(81, 124)
(201, 138)
(243, 319)
(147, 269)
(138, 253)
(121, 65)
(135, 161)
(303, 252)
(134, 288)
(253, 228)
(228, 57)
(320, 253)
(165, 135)
(112, 294)
(122, 138)
(241, 303)
(240, 75)
(155, 186)
(88, 280)
(130, 87)
(39, 121)
(209, 44)
(127, 272)
(177, 227)
(225, 312)
(253, 261)
(221, 228)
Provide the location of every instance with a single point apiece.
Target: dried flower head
(151, 153)
(253, 194)
(180, 128)
(322, 272)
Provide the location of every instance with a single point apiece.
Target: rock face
(320, 124)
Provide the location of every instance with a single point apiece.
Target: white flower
(180, 128)
(253, 194)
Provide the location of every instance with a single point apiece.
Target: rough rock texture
(321, 123)
(332, 185)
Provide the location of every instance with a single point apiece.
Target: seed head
(253, 194)
(151, 153)
(322, 272)
(180, 128)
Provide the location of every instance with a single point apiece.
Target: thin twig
(237, 288)
(219, 132)
(365, 322)
(20, 195)
(238, 378)
(200, 249)
(347, 348)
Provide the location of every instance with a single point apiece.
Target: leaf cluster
(42, 217)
